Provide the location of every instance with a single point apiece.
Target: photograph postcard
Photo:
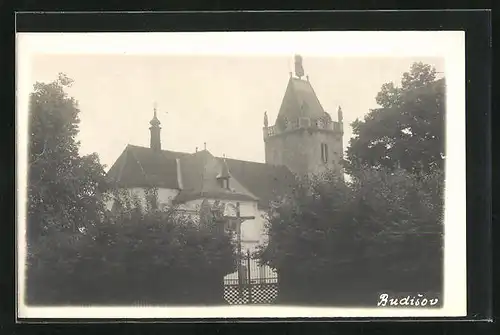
(241, 174)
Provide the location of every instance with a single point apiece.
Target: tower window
(324, 152)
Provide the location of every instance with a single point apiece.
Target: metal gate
(252, 283)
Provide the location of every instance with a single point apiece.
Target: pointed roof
(154, 121)
(265, 181)
(300, 100)
(199, 175)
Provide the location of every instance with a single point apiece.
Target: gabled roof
(300, 100)
(199, 179)
(251, 181)
(265, 181)
(143, 167)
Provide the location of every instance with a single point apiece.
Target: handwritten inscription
(408, 301)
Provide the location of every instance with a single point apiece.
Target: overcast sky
(219, 100)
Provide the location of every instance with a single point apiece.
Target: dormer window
(223, 176)
(224, 183)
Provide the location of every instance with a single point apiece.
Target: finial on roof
(196, 149)
(266, 121)
(154, 121)
(205, 145)
(299, 69)
(340, 116)
(307, 77)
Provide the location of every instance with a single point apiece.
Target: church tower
(304, 137)
(155, 129)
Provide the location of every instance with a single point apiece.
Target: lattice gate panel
(255, 294)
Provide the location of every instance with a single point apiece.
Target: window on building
(324, 152)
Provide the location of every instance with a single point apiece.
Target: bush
(132, 258)
(343, 244)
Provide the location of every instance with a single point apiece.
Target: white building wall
(165, 196)
(252, 231)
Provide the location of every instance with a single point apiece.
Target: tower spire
(155, 129)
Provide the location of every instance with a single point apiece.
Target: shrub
(135, 256)
(341, 243)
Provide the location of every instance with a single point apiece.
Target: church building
(304, 140)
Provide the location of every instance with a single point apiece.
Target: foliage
(64, 189)
(80, 253)
(383, 231)
(135, 256)
(407, 131)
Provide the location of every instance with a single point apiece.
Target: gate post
(249, 277)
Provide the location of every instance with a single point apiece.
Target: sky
(217, 99)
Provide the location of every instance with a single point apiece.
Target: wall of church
(300, 150)
(252, 231)
(165, 196)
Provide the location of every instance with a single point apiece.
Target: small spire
(196, 149)
(155, 141)
(340, 116)
(154, 121)
(204, 145)
(266, 121)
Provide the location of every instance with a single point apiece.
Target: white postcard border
(447, 44)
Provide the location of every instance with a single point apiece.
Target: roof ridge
(163, 150)
(122, 167)
(316, 96)
(140, 166)
(260, 163)
(294, 91)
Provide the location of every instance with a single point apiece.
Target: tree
(137, 255)
(407, 130)
(64, 189)
(381, 232)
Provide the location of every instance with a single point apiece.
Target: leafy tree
(64, 188)
(407, 130)
(381, 232)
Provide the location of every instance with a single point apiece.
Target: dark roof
(199, 174)
(143, 167)
(300, 100)
(265, 181)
